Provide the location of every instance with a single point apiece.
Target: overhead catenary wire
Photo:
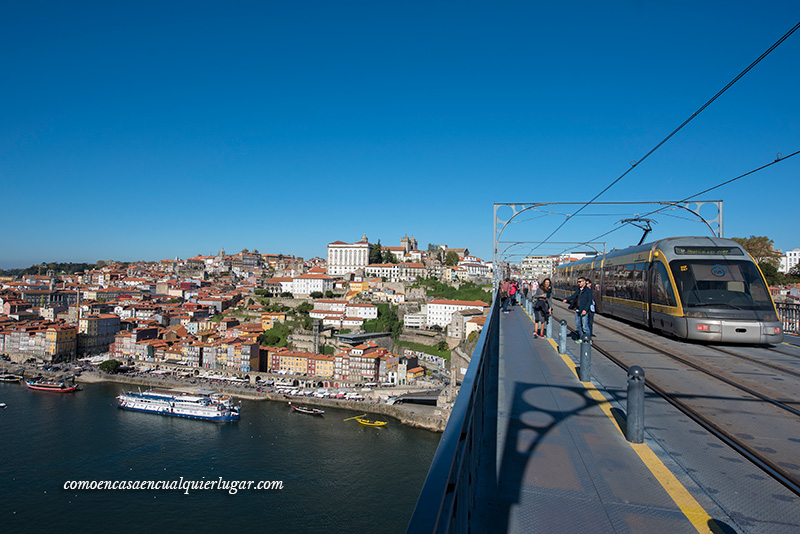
(779, 159)
(634, 164)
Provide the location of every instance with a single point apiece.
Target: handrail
(445, 502)
(789, 315)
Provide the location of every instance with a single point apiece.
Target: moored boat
(58, 386)
(217, 408)
(307, 410)
(10, 377)
(368, 422)
(371, 422)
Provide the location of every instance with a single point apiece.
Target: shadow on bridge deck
(561, 465)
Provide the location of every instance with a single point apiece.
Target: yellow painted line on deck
(693, 511)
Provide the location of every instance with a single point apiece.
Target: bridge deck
(562, 463)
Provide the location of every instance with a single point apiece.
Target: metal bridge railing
(446, 501)
(790, 317)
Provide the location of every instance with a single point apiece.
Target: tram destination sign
(708, 251)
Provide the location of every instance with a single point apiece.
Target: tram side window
(662, 289)
(608, 280)
(638, 279)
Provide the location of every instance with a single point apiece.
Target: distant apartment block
(789, 260)
(537, 267)
(440, 312)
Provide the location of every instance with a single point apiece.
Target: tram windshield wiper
(704, 304)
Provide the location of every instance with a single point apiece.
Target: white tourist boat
(208, 407)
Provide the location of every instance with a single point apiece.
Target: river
(337, 476)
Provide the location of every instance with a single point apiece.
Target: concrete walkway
(562, 463)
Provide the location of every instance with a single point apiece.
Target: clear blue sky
(149, 130)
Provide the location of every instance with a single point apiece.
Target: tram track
(702, 369)
(756, 360)
(768, 466)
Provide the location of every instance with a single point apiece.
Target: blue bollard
(549, 331)
(585, 371)
(562, 337)
(635, 424)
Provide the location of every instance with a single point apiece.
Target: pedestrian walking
(512, 292)
(504, 286)
(592, 309)
(542, 309)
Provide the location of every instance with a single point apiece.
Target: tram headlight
(771, 330)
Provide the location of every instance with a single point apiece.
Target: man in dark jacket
(581, 301)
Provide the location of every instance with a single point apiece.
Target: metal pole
(635, 424)
(585, 373)
(549, 327)
(562, 337)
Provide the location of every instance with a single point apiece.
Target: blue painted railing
(446, 502)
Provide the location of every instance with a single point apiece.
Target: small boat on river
(58, 386)
(10, 377)
(368, 422)
(306, 410)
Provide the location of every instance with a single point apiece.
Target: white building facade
(440, 312)
(537, 267)
(344, 258)
(309, 283)
(789, 260)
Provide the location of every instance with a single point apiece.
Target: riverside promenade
(413, 415)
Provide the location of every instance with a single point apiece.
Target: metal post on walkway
(635, 426)
(585, 372)
(562, 337)
(549, 327)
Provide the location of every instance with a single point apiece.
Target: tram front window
(720, 283)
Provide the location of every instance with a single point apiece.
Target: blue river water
(337, 476)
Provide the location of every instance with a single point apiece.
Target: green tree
(761, 248)
(287, 295)
(389, 257)
(442, 345)
(109, 366)
(771, 273)
(304, 308)
(387, 321)
(329, 294)
(451, 258)
(375, 254)
(316, 294)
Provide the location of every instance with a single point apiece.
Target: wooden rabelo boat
(58, 386)
(306, 410)
(368, 422)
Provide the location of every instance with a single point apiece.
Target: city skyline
(146, 132)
